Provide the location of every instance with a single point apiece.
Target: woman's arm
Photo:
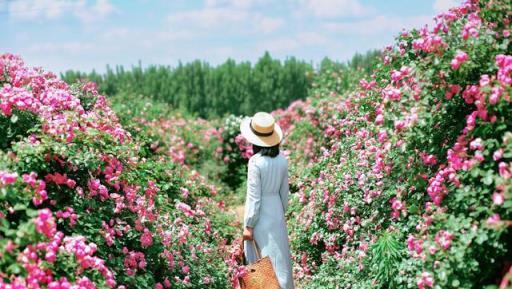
(285, 189)
(253, 199)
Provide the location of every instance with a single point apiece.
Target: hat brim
(262, 141)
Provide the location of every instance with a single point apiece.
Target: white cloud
(244, 4)
(311, 38)
(37, 8)
(63, 47)
(378, 25)
(119, 32)
(227, 19)
(100, 10)
(52, 9)
(445, 5)
(334, 8)
(207, 18)
(289, 44)
(138, 38)
(268, 24)
(277, 45)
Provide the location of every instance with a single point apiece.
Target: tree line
(201, 89)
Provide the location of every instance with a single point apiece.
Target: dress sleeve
(253, 199)
(285, 189)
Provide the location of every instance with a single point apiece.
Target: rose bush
(86, 204)
(409, 185)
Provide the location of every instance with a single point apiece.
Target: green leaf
(413, 209)
(15, 268)
(488, 180)
(20, 207)
(31, 213)
(481, 238)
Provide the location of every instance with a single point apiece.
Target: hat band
(260, 133)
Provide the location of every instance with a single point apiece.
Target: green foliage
(230, 88)
(207, 91)
(16, 126)
(385, 257)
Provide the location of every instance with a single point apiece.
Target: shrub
(83, 203)
(421, 152)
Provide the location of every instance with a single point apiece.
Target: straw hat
(261, 130)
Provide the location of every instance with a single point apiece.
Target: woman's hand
(248, 234)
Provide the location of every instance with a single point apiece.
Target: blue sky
(88, 34)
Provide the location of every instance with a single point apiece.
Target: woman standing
(267, 196)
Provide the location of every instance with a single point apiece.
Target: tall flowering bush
(411, 185)
(85, 204)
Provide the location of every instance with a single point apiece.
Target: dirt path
(239, 211)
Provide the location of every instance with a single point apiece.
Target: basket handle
(256, 249)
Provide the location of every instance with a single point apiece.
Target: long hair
(266, 151)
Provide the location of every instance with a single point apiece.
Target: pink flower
(484, 80)
(428, 159)
(414, 244)
(444, 239)
(504, 171)
(7, 178)
(425, 280)
(50, 256)
(493, 220)
(497, 155)
(504, 63)
(391, 93)
(399, 125)
(30, 179)
(45, 224)
(96, 188)
(470, 28)
(397, 204)
(207, 280)
(184, 192)
(183, 234)
(383, 136)
(367, 85)
(185, 269)
(460, 58)
(146, 239)
(498, 198)
(60, 179)
(452, 90)
(496, 93)
(379, 119)
(185, 209)
(476, 144)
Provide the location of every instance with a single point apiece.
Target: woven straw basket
(261, 274)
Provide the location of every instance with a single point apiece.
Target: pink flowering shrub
(410, 182)
(86, 203)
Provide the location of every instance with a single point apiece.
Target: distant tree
(229, 88)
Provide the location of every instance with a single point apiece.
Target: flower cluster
(416, 152)
(81, 187)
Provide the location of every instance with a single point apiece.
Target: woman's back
(272, 173)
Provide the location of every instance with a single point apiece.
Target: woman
(267, 196)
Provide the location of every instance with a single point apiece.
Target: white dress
(265, 205)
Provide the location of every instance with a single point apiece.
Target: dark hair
(266, 151)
